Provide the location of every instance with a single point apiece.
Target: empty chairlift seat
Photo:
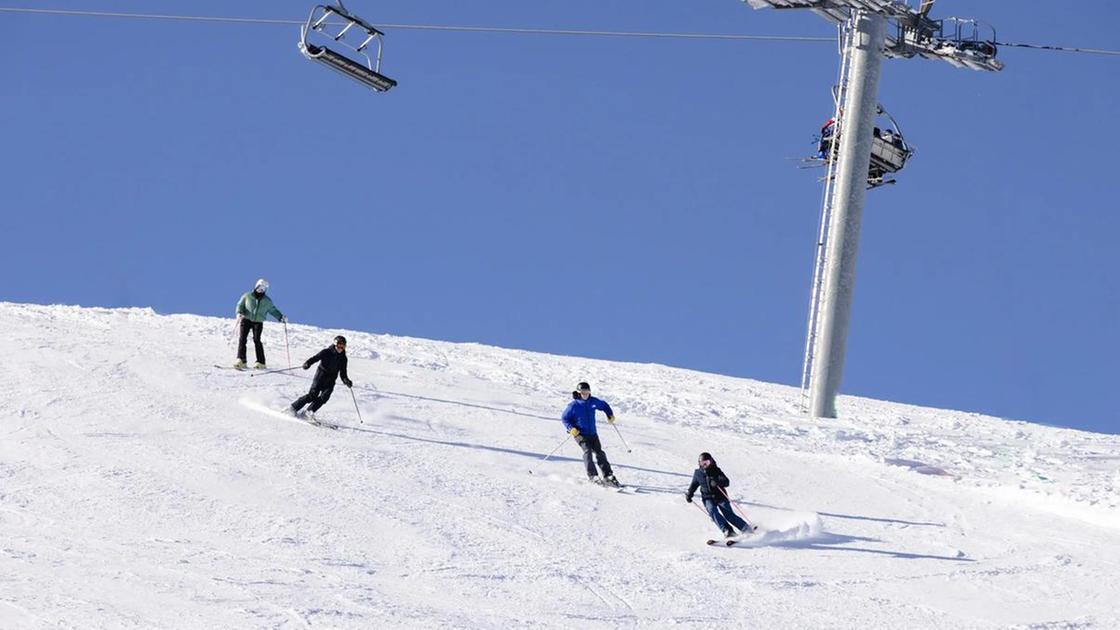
(325, 36)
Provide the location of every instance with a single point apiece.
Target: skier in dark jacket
(711, 481)
(332, 364)
(579, 420)
(252, 309)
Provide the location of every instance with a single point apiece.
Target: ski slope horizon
(140, 486)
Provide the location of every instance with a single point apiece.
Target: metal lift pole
(856, 135)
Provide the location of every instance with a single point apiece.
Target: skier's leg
(600, 456)
(257, 345)
(322, 398)
(242, 334)
(731, 517)
(587, 463)
(311, 395)
(716, 517)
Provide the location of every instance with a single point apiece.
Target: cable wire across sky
(510, 30)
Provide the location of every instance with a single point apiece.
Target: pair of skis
(315, 422)
(729, 542)
(602, 483)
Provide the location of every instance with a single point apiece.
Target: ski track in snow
(137, 489)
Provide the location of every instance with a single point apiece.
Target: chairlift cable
(513, 30)
(148, 16)
(429, 27)
(1089, 51)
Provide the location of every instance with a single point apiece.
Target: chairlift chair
(328, 26)
(967, 43)
(889, 150)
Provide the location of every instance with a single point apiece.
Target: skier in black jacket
(332, 364)
(711, 481)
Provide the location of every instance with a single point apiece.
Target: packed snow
(143, 487)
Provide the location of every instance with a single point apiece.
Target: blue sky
(629, 199)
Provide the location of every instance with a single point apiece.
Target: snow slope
(140, 487)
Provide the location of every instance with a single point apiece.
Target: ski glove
(574, 431)
(610, 419)
(283, 319)
(688, 497)
(307, 366)
(348, 382)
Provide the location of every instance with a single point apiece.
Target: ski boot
(595, 480)
(239, 365)
(259, 366)
(611, 481)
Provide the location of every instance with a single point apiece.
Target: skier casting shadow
(711, 481)
(579, 420)
(252, 309)
(332, 364)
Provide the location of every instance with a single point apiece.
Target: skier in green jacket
(252, 309)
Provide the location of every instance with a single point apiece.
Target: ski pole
(752, 525)
(558, 446)
(286, 345)
(620, 437)
(274, 371)
(236, 325)
(702, 510)
(352, 395)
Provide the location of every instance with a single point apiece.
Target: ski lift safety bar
(318, 22)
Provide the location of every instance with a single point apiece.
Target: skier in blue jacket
(579, 420)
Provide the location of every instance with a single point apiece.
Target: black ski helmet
(707, 456)
(583, 387)
(340, 339)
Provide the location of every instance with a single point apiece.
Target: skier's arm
(342, 372)
(242, 309)
(602, 405)
(691, 489)
(275, 312)
(568, 417)
(722, 480)
(716, 478)
(313, 360)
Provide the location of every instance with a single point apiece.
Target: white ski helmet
(261, 285)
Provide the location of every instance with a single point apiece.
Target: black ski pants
(591, 446)
(318, 396)
(247, 325)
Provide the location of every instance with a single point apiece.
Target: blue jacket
(581, 414)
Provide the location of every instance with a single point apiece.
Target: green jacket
(256, 310)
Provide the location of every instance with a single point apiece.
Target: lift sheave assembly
(325, 35)
(962, 42)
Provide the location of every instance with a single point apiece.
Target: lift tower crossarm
(957, 41)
